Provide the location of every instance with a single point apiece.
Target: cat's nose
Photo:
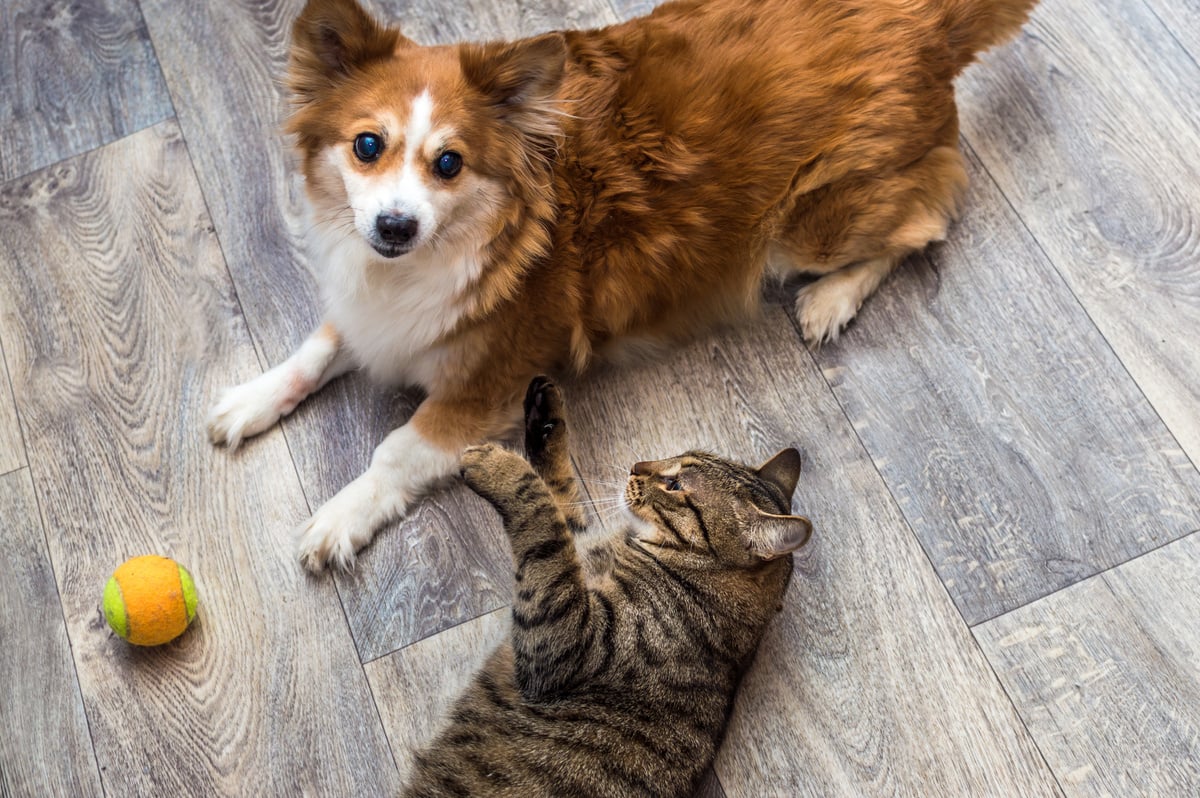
(641, 470)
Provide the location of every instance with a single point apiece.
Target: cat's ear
(332, 38)
(783, 471)
(773, 536)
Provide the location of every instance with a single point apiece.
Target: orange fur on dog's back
(619, 187)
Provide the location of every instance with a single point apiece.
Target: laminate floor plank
(444, 21)
(231, 118)
(45, 748)
(12, 448)
(1182, 18)
(76, 75)
(627, 9)
(120, 322)
(1106, 675)
(1089, 123)
(444, 563)
(1021, 453)
(868, 682)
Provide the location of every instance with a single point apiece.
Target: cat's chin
(639, 528)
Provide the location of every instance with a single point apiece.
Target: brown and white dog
(487, 212)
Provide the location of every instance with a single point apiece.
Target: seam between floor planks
(1088, 578)
(62, 611)
(1066, 284)
(799, 338)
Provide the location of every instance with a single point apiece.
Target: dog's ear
(332, 38)
(516, 77)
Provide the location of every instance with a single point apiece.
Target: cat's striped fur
(620, 672)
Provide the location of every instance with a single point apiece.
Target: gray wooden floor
(1001, 597)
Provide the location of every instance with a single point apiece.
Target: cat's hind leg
(547, 448)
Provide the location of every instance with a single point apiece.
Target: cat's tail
(973, 26)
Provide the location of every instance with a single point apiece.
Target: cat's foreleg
(557, 621)
(548, 451)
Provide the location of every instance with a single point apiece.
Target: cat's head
(700, 503)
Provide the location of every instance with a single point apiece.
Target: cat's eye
(673, 484)
(367, 147)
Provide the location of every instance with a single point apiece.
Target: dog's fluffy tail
(973, 26)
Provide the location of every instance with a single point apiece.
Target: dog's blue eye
(448, 164)
(673, 484)
(367, 146)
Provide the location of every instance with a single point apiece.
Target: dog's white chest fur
(392, 313)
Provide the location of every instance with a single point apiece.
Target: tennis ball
(150, 600)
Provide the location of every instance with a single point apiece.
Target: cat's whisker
(602, 481)
(611, 514)
(597, 503)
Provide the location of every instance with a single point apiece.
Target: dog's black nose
(396, 229)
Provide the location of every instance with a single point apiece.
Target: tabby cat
(620, 673)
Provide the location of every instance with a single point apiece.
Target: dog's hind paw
(825, 307)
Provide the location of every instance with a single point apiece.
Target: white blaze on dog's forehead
(420, 123)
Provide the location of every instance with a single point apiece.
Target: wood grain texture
(121, 322)
(230, 117)
(45, 748)
(1089, 124)
(12, 447)
(1182, 18)
(1107, 675)
(868, 682)
(443, 21)
(446, 562)
(627, 9)
(1021, 453)
(76, 75)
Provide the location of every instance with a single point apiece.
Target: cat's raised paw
(543, 416)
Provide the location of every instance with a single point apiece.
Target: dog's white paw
(340, 527)
(826, 306)
(248, 409)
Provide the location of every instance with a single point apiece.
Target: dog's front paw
(825, 307)
(244, 411)
(339, 528)
(545, 428)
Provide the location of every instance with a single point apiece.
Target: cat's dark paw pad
(543, 413)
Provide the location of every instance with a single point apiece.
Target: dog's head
(418, 148)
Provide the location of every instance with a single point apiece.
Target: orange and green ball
(150, 600)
